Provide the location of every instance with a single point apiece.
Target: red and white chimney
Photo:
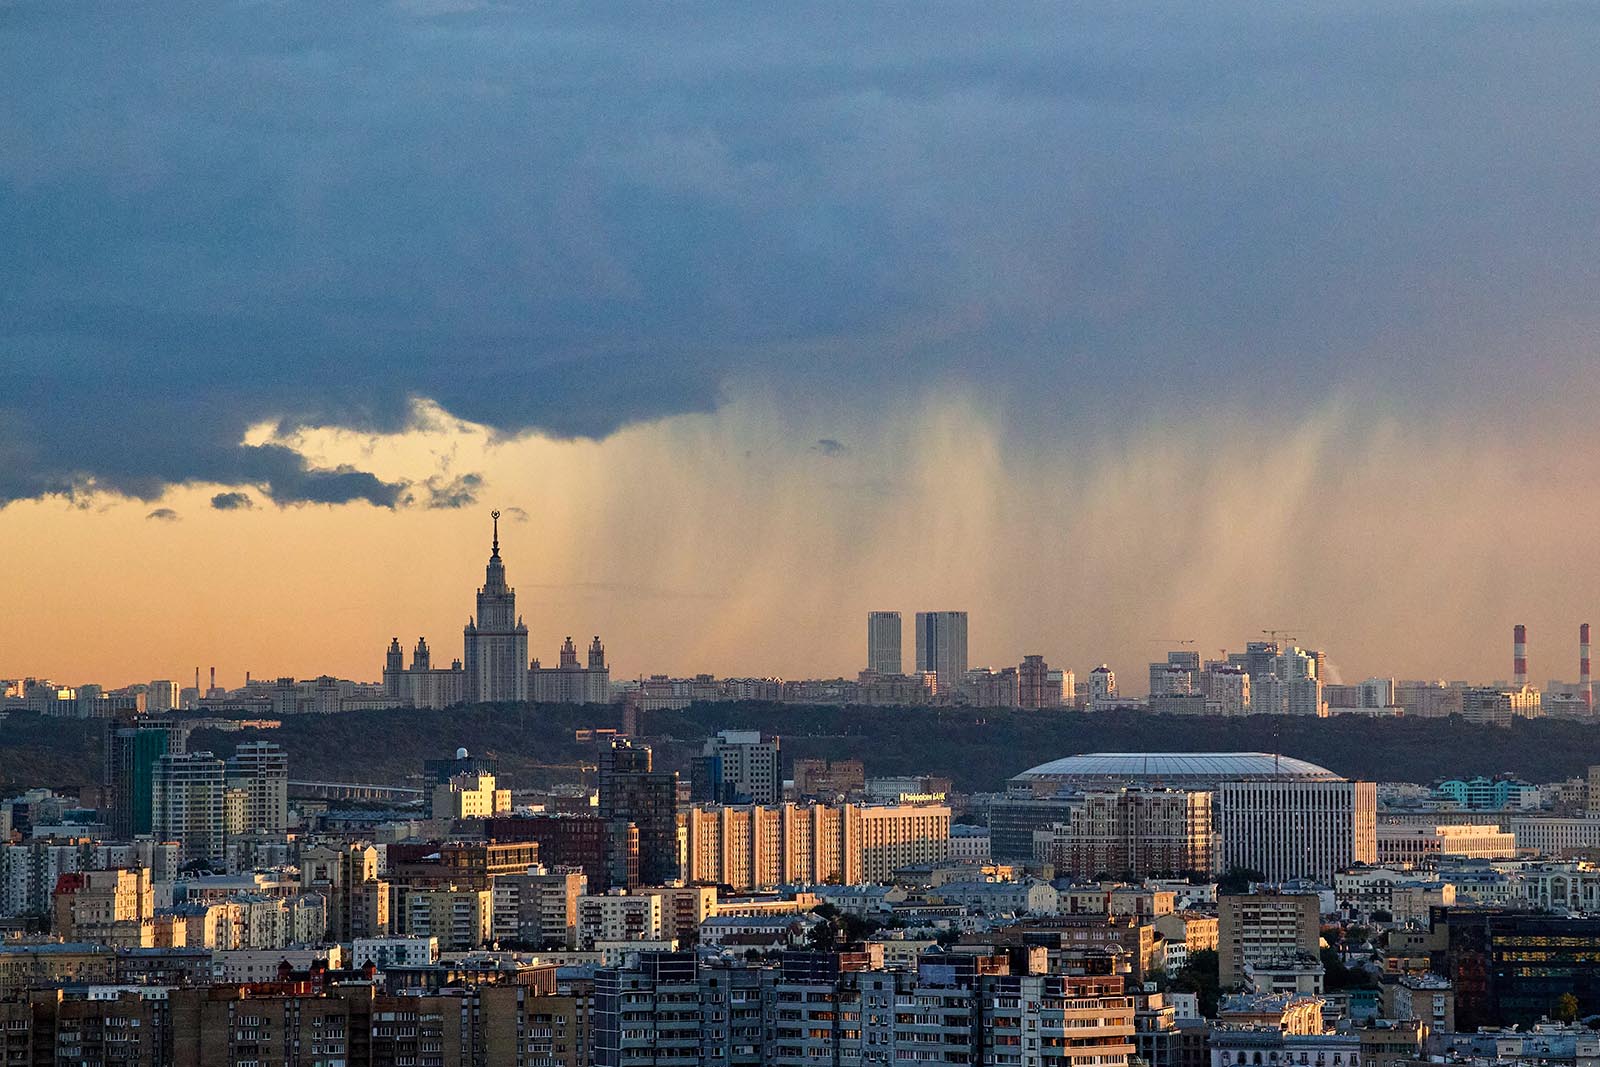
(1519, 655)
(1583, 668)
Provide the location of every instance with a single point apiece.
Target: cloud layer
(220, 216)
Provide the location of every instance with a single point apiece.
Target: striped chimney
(1583, 668)
(1519, 655)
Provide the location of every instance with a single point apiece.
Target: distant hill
(979, 749)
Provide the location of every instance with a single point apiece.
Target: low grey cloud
(458, 492)
(163, 515)
(829, 447)
(232, 502)
(568, 220)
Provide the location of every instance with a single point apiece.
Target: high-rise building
(470, 795)
(1297, 827)
(462, 918)
(161, 696)
(1499, 706)
(1178, 675)
(883, 642)
(539, 907)
(1102, 685)
(131, 753)
(942, 646)
(757, 847)
(1066, 683)
(495, 666)
(1529, 959)
(1015, 817)
(347, 878)
(738, 767)
(261, 770)
(618, 917)
(187, 805)
(1284, 680)
(109, 907)
(1132, 832)
(632, 792)
(496, 638)
(606, 850)
(440, 771)
(990, 689)
(1377, 693)
(1261, 927)
(1037, 685)
(1303, 696)
(819, 1008)
(1226, 689)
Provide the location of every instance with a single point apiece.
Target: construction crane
(1172, 640)
(1286, 635)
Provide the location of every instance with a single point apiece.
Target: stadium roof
(1174, 769)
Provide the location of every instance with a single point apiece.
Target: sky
(1113, 324)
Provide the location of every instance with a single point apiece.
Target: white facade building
(616, 917)
(384, 952)
(1297, 828)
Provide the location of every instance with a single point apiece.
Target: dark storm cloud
(216, 214)
(232, 502)
(458, 492)
(829, 447)
(163, 515)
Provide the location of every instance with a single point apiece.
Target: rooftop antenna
(495, 515)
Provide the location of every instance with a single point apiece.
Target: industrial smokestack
(1519, 655)
(213, 678)
(1583, 668)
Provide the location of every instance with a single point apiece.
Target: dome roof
(1174, 768)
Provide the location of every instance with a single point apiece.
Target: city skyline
(760, 535)
(908, 642)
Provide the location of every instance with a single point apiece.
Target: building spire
(494, 579)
